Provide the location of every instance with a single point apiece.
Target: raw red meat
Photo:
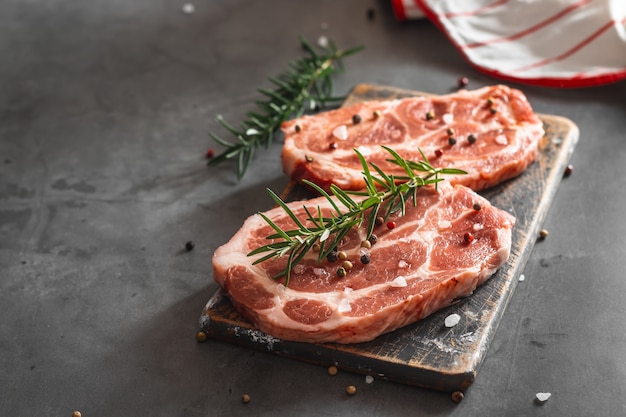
(439, 251)
(500, 119)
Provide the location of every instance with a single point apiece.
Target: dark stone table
(105, 109)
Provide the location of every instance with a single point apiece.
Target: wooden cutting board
(427, 354)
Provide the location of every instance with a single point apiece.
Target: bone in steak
(422, 265)
(492, 133)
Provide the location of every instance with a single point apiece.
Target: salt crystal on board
(452, 320)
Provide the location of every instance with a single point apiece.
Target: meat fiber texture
(422, 265)
(320, 148)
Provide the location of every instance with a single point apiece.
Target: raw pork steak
(440, 250)
(492, 133)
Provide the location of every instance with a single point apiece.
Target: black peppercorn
(356, 119)
(365, 259)
(189, 246)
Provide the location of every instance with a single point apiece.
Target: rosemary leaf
(383, 196)
(307, 84)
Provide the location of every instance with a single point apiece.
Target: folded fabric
(556, 43)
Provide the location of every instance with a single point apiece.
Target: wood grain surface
(427, 354)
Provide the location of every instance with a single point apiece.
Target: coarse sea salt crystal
(477, 227)
(444, 224)
(369, 379)
(322, 41)
(188, 8)
(298, 269)
(344, 306)
(399, 282)
(447, 118)
(452, 320)
(251, 132)
(502, 140)
(522, 277)
(320, 272)
(341, 132)
(542, 397)
(281, 288)
(402, 263)
(347, 290)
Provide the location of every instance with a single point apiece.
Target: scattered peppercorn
(493, 110)
(365, 259)
(366, 244)
(373, 239)
(462, 82)
(316, 247)
(471, 139)
(543, 233)
(342, 255)
(438, 153)
(76, 414)
(210, 153)
(490, 101)
(189, 246)
(245, 398)
(430, 115)
(201, 336)
(332, 370)
(468, 238)
(308, 158)
(476, 206)
(332, 145)
(568, 170)
(356, 119)
(332, 257)
(457, 396)
(391, 225)
(450, 131)
(298, 128)
(377, 114)
(341, 272)
(351, 390)
(347, 265)
(379, 221)
(451, 141)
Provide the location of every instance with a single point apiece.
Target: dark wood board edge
(528, 198)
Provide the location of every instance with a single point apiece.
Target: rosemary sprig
(384, 195)
(306, 85)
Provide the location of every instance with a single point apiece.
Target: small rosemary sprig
(383, 195)
(306, 85)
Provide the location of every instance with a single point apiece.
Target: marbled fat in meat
(416, 268)
(506, 129)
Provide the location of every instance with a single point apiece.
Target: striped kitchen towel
(555, 43)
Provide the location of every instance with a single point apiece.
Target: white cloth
(557, 43)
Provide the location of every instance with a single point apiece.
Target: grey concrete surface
(105, 109)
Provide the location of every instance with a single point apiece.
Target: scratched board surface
(428, 354)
